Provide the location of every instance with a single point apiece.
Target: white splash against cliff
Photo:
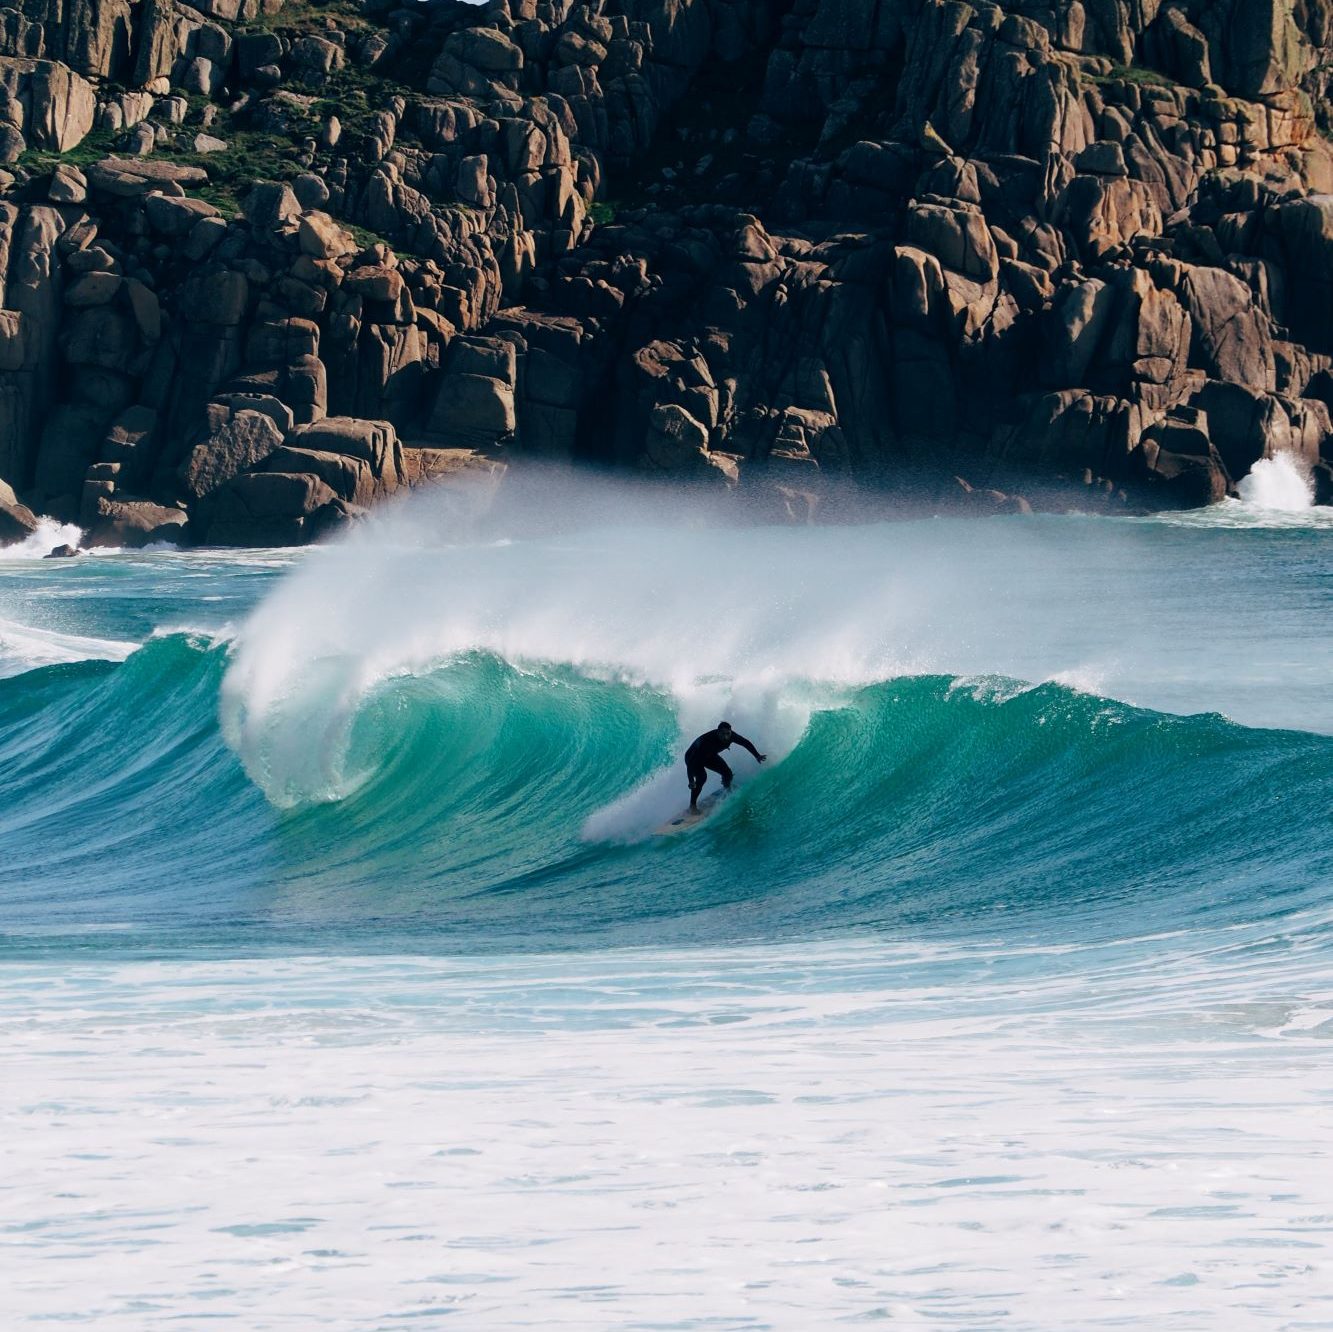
(1281, 484)
(48, 536)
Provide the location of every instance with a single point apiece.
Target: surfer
(706, 753)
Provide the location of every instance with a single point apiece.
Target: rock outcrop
(263, 265)
(17, 521)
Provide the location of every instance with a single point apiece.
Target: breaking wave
(487, 802)
(472, 743)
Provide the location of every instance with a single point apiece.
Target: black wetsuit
(706, 753)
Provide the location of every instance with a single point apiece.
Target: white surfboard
(692, 818)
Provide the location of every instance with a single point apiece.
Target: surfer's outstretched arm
(745, 744)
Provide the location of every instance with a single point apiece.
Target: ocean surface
(345, 981)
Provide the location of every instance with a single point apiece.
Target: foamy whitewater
(1278, 484)
(345, 983)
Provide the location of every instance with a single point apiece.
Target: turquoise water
(334, 871)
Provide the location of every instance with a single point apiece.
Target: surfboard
(692, 818)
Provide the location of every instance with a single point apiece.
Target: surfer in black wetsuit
(706, 753)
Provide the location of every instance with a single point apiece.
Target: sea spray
(618, 583)
(721, 618)
(1281, 484)
(49, 535)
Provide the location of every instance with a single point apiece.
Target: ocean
(345, 982)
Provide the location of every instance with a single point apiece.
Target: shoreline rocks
(1000, 254)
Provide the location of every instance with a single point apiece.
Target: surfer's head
(724, 728)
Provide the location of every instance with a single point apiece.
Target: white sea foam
(1238, 515)
(787, 1138)
(48, 536)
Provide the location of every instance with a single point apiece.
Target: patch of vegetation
(1143, 75)
(355, 96)
(250, 156)
(95, 146)
(366, 238)
(304, 17)
(603, 212)
(222, 197)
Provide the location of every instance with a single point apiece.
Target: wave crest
(919, 803)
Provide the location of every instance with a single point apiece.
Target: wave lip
(26, 648)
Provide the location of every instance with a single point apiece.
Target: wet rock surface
(265, 264)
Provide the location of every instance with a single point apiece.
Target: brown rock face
(1232, 339)
(323, 238)
(128, 178)
(133, 523)
(1078, 253)
(57, 105)
(16, 520)
(473, 411)
(270, 509)
(239, 441)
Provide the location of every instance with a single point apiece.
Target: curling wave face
(469, 744)
(479, 811)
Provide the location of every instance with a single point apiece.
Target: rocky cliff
(263, 263)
